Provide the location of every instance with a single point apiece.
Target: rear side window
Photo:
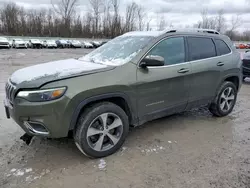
(222, 47)
(200, 48)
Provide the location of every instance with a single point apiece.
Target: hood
(20, 42)
(37, 75)
(3, 40)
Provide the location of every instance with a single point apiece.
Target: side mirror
(152, 60)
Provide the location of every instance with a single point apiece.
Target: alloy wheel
(227, 99)
(104, 132)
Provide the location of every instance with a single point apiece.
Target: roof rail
(211, 31)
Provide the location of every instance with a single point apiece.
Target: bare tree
(141, 17)
(96, 6)
(161, 23)
(221, 21)
(235, 24)
(130, 17)
(66, 9)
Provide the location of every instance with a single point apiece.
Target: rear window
(200, 48)
(222, 47)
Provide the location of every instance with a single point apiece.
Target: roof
(171, 30)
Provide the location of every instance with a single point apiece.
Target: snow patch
(27, 170)
(170, 142)
(13, 170)
(19, 173)
(61, 68)
(102, 165)
(153, 150)
(144, 33)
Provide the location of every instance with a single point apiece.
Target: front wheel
(225, 100)
(101, 130)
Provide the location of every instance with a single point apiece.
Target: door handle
(220, 64)
(183, 70)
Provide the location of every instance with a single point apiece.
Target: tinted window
(172, 50)
(200, 48)
(222, 47)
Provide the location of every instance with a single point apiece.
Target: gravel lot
(189, 150)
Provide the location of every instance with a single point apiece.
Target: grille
(9, 90)
(246, 63)
(4, 43)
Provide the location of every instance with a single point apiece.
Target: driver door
(164, 90)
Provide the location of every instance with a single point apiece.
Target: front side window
(222, 47)
(171, 49)
(200, 48)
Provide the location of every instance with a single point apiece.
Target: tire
(216, 107)
(90, 118)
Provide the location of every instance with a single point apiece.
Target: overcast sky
(178, 12)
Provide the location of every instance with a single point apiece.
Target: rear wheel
(101, 130)
(225, 100)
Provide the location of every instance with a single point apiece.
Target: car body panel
(150, 93)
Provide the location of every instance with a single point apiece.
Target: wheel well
(119, 101)
(235, 80)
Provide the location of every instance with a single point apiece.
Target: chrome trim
(158, 67)
(34, 131)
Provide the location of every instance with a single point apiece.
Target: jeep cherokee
(132, 79)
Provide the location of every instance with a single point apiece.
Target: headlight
(42, 95)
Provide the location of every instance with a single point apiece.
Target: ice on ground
(27, 170)
(102, 165)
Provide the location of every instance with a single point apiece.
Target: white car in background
(49, 44)
(4, 43)
(19, 43)
(87, 45)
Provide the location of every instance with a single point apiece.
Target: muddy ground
(189, 150)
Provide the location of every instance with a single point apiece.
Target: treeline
(103, 20)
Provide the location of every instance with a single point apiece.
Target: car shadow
(62, 153)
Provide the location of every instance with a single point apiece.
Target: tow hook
(26, 138)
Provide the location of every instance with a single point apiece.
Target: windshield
(19, 40)
(51, 42)
(118, 51)
(2, 38)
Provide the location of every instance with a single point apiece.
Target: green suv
(132, 79)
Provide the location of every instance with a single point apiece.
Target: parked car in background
(49, 44)
(75, 44)
(87, 45)
(103, 42)
(246, 64)
(19, 43)
(4, 43)
(62, 44)
(247, 46)
(242, 46)
(35, 43)
(96, 44)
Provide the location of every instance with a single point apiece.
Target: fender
(86, 101)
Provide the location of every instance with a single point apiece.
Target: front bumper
(4, 45)
(21, 46)
(39, 118)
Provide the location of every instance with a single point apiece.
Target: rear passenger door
(206, 70)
